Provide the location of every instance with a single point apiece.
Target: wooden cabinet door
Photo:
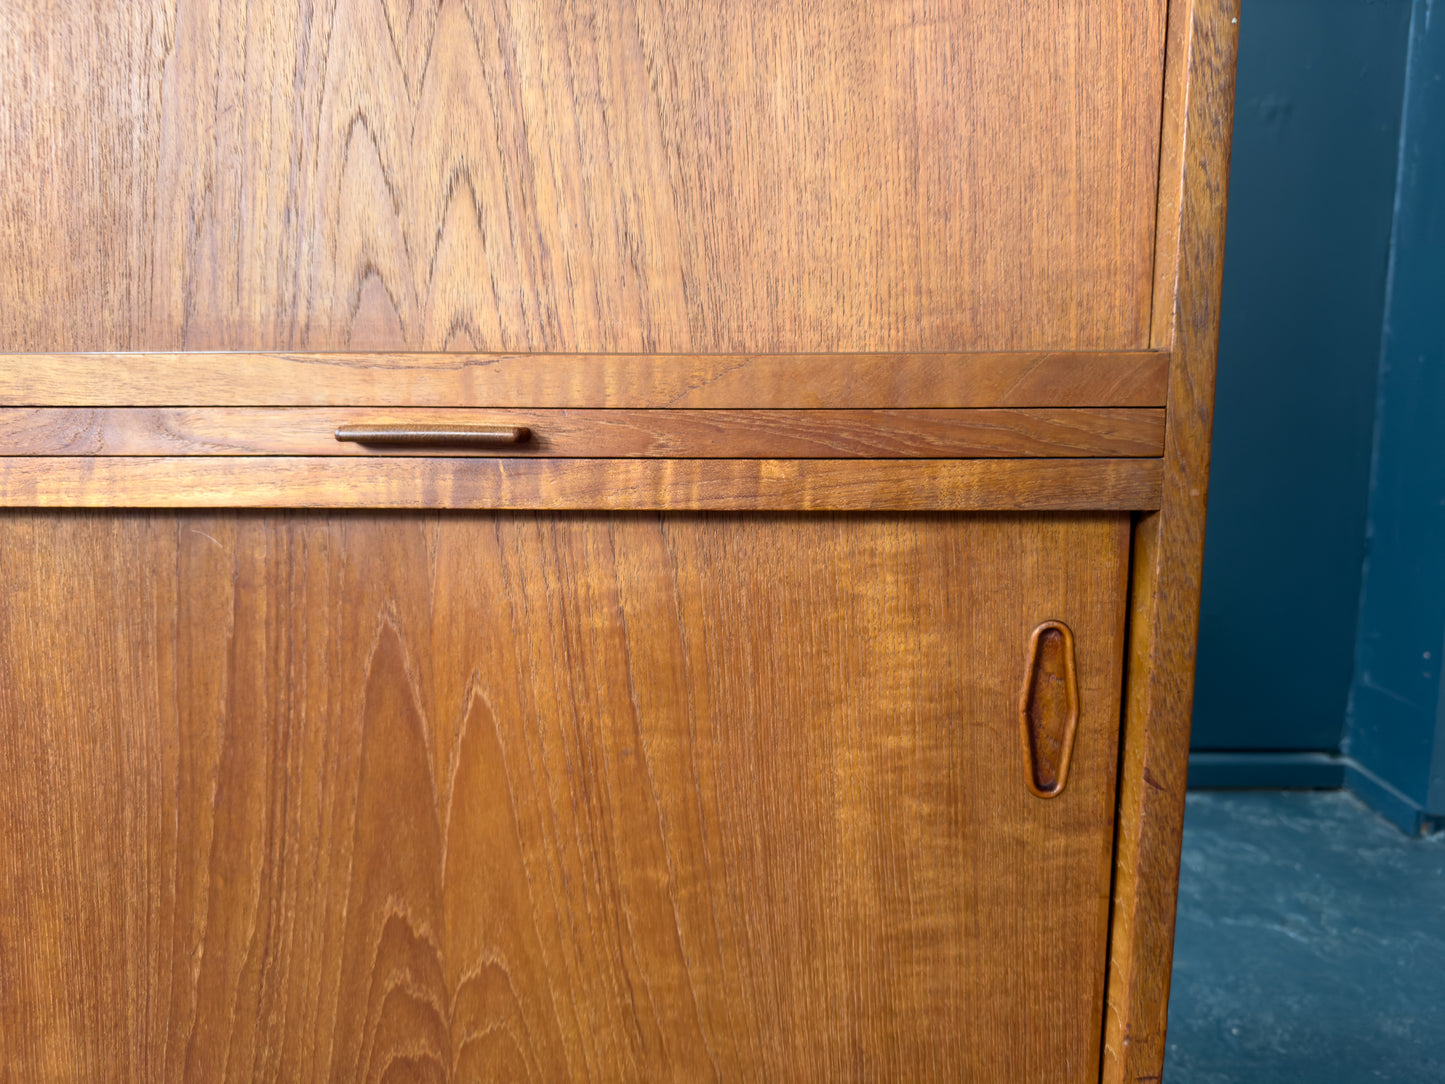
(513, 796)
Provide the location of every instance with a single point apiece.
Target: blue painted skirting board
(1309, 771)
(1265, 771)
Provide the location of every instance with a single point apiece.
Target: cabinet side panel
(550, 797)
(1169, 544)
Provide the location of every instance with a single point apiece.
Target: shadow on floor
(1310, 945)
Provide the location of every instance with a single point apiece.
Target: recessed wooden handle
(1049, 709)
(470, 436)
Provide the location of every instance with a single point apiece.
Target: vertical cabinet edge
(1202, 40)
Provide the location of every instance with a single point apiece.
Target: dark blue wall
(1312, 190)
(1396, 736)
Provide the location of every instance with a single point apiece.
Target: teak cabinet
(628, 540)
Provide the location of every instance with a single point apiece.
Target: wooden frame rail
(767, 432)
(633, 381)
(580, 484)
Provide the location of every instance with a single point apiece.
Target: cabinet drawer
(901, 432)
(584, 434)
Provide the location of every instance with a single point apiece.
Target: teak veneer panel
(598, 175)
(622, 381)
(598, 795)
(710, 434)
(515, 797)
(578, 484)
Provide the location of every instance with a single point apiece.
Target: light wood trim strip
(594, 434)
(1169, 545)
(712, 381)
(412, 435)
(580, 484)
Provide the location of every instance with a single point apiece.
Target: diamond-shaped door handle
(1049, 709)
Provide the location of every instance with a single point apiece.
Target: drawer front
(502, 796)
(583, 434)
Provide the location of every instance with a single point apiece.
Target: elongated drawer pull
(1049, 709)
(470, 436)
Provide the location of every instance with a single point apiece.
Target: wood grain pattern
(1169, 545)
(513, 797)
(597, 796)
(624, 381)
(578, 484)
(627, 175)
(675, 434)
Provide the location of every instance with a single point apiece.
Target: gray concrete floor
(1310, 946)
